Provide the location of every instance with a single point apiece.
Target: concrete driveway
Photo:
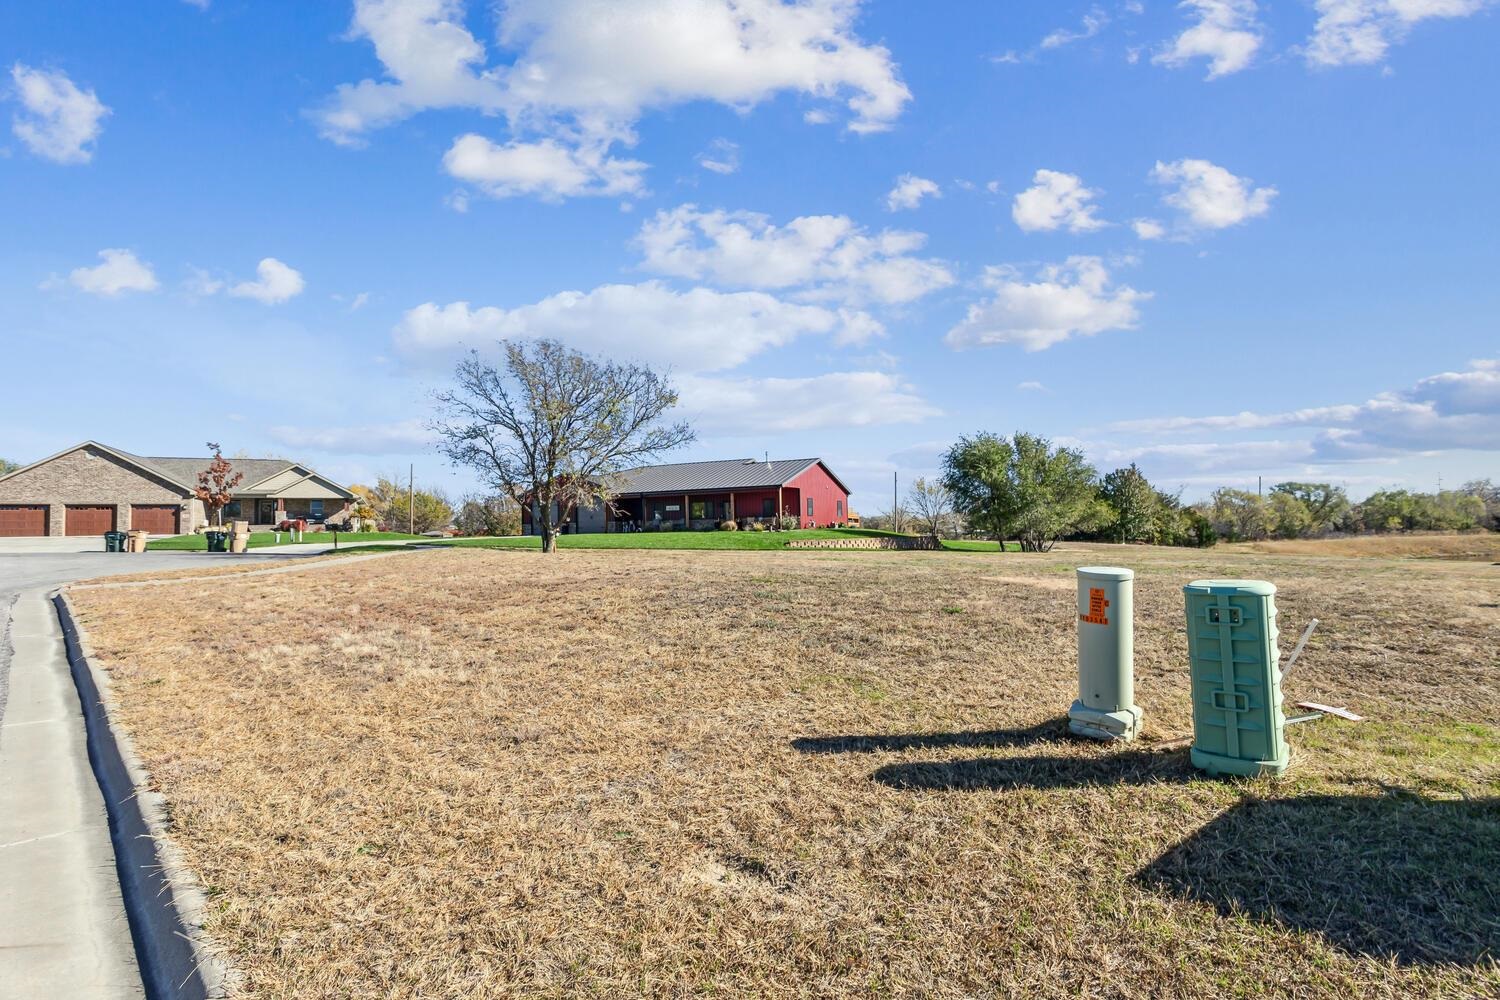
(63, 929)
(50, 544)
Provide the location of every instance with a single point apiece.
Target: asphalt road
(26, 570)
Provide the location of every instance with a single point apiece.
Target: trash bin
(216, 541)
(135, 541)
(1238, 725)
(114, 541)
(239, 541)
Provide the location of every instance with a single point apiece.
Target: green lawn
(265, 539)
(737, 540)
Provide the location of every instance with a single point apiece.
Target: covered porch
(698, 511)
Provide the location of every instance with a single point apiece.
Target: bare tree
(931, 507)
(552, 427)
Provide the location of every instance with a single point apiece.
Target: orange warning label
(1098, 608)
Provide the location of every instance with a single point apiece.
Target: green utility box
(1238, 725)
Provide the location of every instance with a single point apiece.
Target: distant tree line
(1024, 490)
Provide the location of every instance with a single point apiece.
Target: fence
(903, 543)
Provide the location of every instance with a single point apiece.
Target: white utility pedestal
(1105, 709)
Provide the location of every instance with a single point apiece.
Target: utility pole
(896, 524)
(1257, 488)
(411, 496)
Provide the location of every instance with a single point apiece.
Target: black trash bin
(217, 541)
(114, 541)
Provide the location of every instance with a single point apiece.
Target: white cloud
(1352, 32)
(585, 71)
(823, 256)
(431, 59)
(120, 271)
(546, 168)
(721, 157)
(1031, 387)
(1209, 197)
(1093, 23)
(59, 122)
(1056, 200)
(775, 405)
(397, 438)
(1227, 33)
(1446, 411)
(694, 331)
(275, 283)
(1148, 229)
(909, 192)
(1071, 299)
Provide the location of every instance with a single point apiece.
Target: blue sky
(1222, 238)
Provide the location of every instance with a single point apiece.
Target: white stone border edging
(163, 899)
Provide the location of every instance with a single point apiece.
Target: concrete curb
(163, 899)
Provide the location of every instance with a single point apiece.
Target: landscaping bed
(469, 773)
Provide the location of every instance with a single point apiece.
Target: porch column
(780, 504)
(687, 512)
(731, 506)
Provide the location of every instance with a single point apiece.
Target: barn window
(809, 507)
(838, 508)
(699, 509)
(768, 507)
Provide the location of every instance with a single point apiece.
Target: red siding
(826, 494)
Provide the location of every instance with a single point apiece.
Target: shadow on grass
(1396, 876)
(1130, 767)
(1052, 729)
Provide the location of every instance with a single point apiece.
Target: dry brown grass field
(477, 773)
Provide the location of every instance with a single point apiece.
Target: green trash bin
(217, 541)
(114, 541)
(1238, 725)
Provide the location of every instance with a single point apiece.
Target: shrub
(788, 523)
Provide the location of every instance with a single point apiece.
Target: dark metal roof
(701, 477)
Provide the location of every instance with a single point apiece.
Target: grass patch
(602, 774)
(268, 539)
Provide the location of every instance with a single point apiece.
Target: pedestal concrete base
(1123, 725)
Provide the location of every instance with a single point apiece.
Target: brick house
(91, 488)
(699, 495)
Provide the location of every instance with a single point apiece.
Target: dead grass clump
(471, 773)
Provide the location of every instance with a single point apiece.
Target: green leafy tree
(1289, 515)
(1135, 504)
(1237, 515)
(1022, 488)
(1326, 504)
(7, 467)
(1487, 492)
(397, 506)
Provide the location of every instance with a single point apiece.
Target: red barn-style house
(700, 495)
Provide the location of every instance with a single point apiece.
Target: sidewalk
(63, 931)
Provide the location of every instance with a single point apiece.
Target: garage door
(157, 519)
(89, 520)
(22, 521)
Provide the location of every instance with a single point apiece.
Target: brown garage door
(89, 520)
(22, 521)
(157, 519)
